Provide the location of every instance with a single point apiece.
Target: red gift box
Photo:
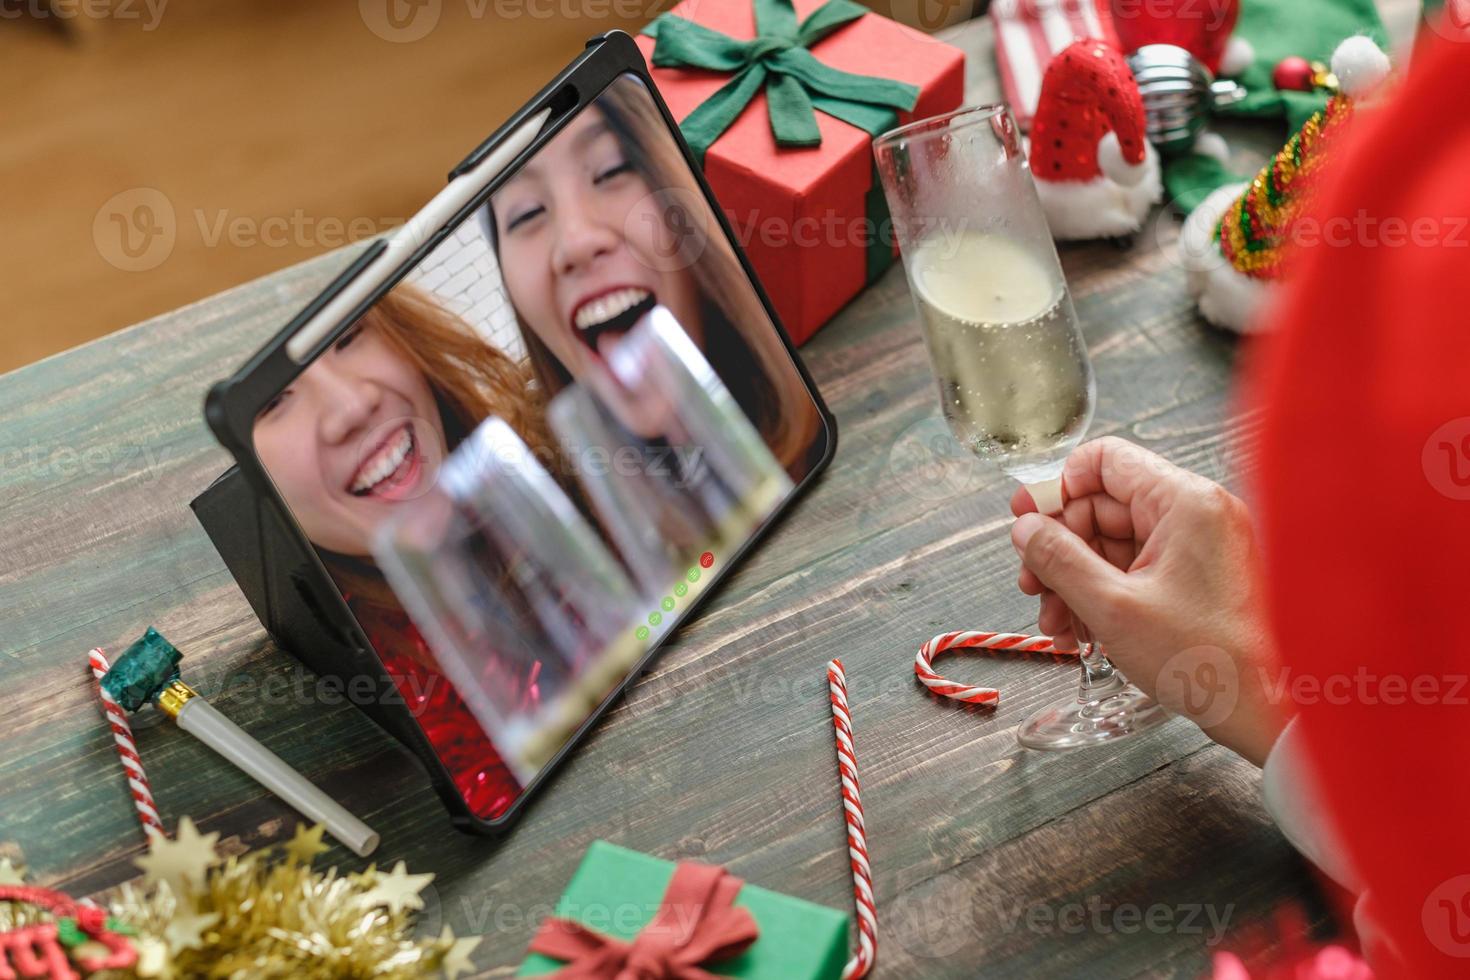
(802, 214)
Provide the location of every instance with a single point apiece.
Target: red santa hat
(1363, 497)
(1088, 95)
(1093, 165)
(1207, 37)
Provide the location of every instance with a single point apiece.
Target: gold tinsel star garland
(270, 915)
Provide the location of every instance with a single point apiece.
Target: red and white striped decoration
(1029, 33)
(857, 842)
(973, 640)
(127, 749)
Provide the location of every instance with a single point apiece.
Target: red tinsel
(482, 778)
(37, 950)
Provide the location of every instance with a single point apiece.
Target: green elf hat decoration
(1240, 241)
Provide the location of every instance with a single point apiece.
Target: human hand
(1161, 565)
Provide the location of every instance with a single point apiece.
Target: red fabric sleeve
(1363, 491)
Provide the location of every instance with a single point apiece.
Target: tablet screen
(523, 463)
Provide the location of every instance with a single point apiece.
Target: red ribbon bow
(697, 923)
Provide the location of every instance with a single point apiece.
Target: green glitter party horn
(148, 673)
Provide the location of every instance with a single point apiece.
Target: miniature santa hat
(1206, 35)
(1095, 171)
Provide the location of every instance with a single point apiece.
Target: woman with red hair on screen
(1339, 647)
(362, 431)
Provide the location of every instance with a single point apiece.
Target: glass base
(1108, 712)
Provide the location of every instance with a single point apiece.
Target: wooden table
(989, 860)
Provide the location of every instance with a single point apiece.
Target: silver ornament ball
(1179, 94)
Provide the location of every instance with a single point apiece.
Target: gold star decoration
(457, 959)
(10, 874)
(306, 844)
(186, 929)
(398, 890)
(176, 862)
(154, 961)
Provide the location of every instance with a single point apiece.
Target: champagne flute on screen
(1015, 382)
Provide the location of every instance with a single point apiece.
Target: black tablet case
(281, 583)
(298, 604)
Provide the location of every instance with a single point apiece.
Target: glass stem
(1100, 679)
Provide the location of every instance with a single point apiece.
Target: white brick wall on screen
(463, 275)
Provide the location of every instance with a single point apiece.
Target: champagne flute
(1015, 382)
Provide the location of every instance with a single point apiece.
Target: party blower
(148, 673)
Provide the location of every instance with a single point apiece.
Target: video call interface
(525, 460)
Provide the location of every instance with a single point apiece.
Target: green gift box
(617, 892)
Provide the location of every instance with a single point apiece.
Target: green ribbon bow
(777, 59)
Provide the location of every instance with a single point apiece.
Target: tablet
(528, 432)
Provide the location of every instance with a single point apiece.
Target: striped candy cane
(857, 843)
(127, 750)
(972, 640)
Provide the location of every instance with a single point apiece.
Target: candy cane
(127, 749)
(857, 844)
(973, 639)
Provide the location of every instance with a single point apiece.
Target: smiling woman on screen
(362, 431)
(605, 222)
